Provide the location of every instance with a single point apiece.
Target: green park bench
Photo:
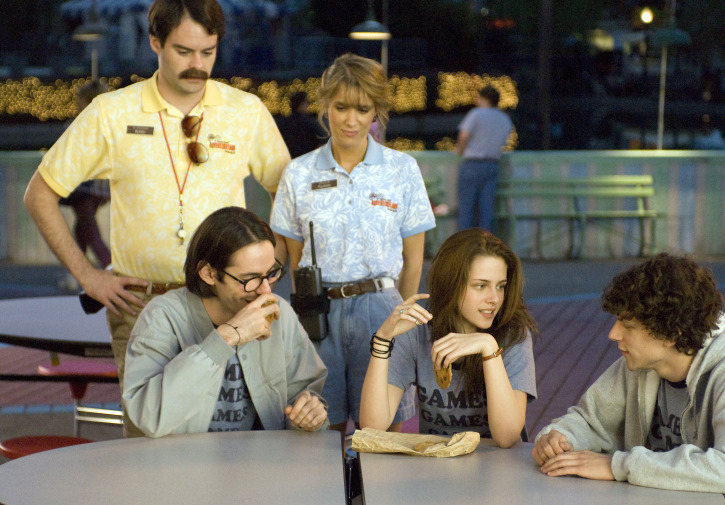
(577, 200)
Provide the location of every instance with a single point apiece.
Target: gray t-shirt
(453, 410)
(234, 408)
(489, 128)
(665, 433)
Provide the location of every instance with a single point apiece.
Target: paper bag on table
(370, 440)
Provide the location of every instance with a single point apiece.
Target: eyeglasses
(253, 284)
(196, 150)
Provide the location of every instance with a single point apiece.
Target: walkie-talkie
(309, 299)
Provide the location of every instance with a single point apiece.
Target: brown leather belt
(360, 288)
(157, 288)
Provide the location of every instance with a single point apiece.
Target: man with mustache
(175, 148)
(656, 417)
(224, 353)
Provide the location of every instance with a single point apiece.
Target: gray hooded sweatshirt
(615, 414)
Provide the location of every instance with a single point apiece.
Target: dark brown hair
(217, 238)
(297, 99)
(491, 94)
(166, 15)
(447, 283)
(89, 91)
(673, 297)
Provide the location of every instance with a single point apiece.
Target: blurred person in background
(86, 199)
(482, 135)
(301, 132)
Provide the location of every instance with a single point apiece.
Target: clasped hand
(453, 346)
(254, 321)
(308, 413)
(556, 457)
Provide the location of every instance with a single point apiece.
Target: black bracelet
(377, 344)
(235, 328)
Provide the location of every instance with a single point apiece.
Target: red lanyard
(181, 232)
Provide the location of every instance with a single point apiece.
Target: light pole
(667, 36)
(384, 43)
(371, 29)
(544, 66)
(92, 31)
(646, 16)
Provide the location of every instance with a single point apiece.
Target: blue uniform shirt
(360, 218)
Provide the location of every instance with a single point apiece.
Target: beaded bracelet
(381, 342)
(235, 329)
(494, 355)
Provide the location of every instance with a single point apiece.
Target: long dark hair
(447, 283)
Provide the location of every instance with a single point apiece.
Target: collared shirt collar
(152, 101)
(373, 155)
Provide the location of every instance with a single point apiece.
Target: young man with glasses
(174, 147)
(224, 353)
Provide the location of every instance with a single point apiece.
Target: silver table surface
(498, 476)
(56, 324)
(255, 467)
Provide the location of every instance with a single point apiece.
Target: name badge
(139, 130)
(324, 184)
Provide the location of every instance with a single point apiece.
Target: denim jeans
(477, 180)
(346, 353)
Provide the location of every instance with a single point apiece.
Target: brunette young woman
(476, 322)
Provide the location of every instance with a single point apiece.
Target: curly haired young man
(656, 417)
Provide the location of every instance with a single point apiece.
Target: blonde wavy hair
(362, 78)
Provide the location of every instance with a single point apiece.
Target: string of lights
(459, 89)
(55, 101)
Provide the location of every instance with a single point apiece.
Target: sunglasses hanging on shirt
(191, 125)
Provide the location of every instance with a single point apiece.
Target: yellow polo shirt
(119, 137)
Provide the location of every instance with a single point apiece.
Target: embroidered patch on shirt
(380, 200)
(139, 130)
(324, 184)
(218, 142)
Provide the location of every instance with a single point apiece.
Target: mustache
(192, 73)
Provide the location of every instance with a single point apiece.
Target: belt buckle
(342, 290)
